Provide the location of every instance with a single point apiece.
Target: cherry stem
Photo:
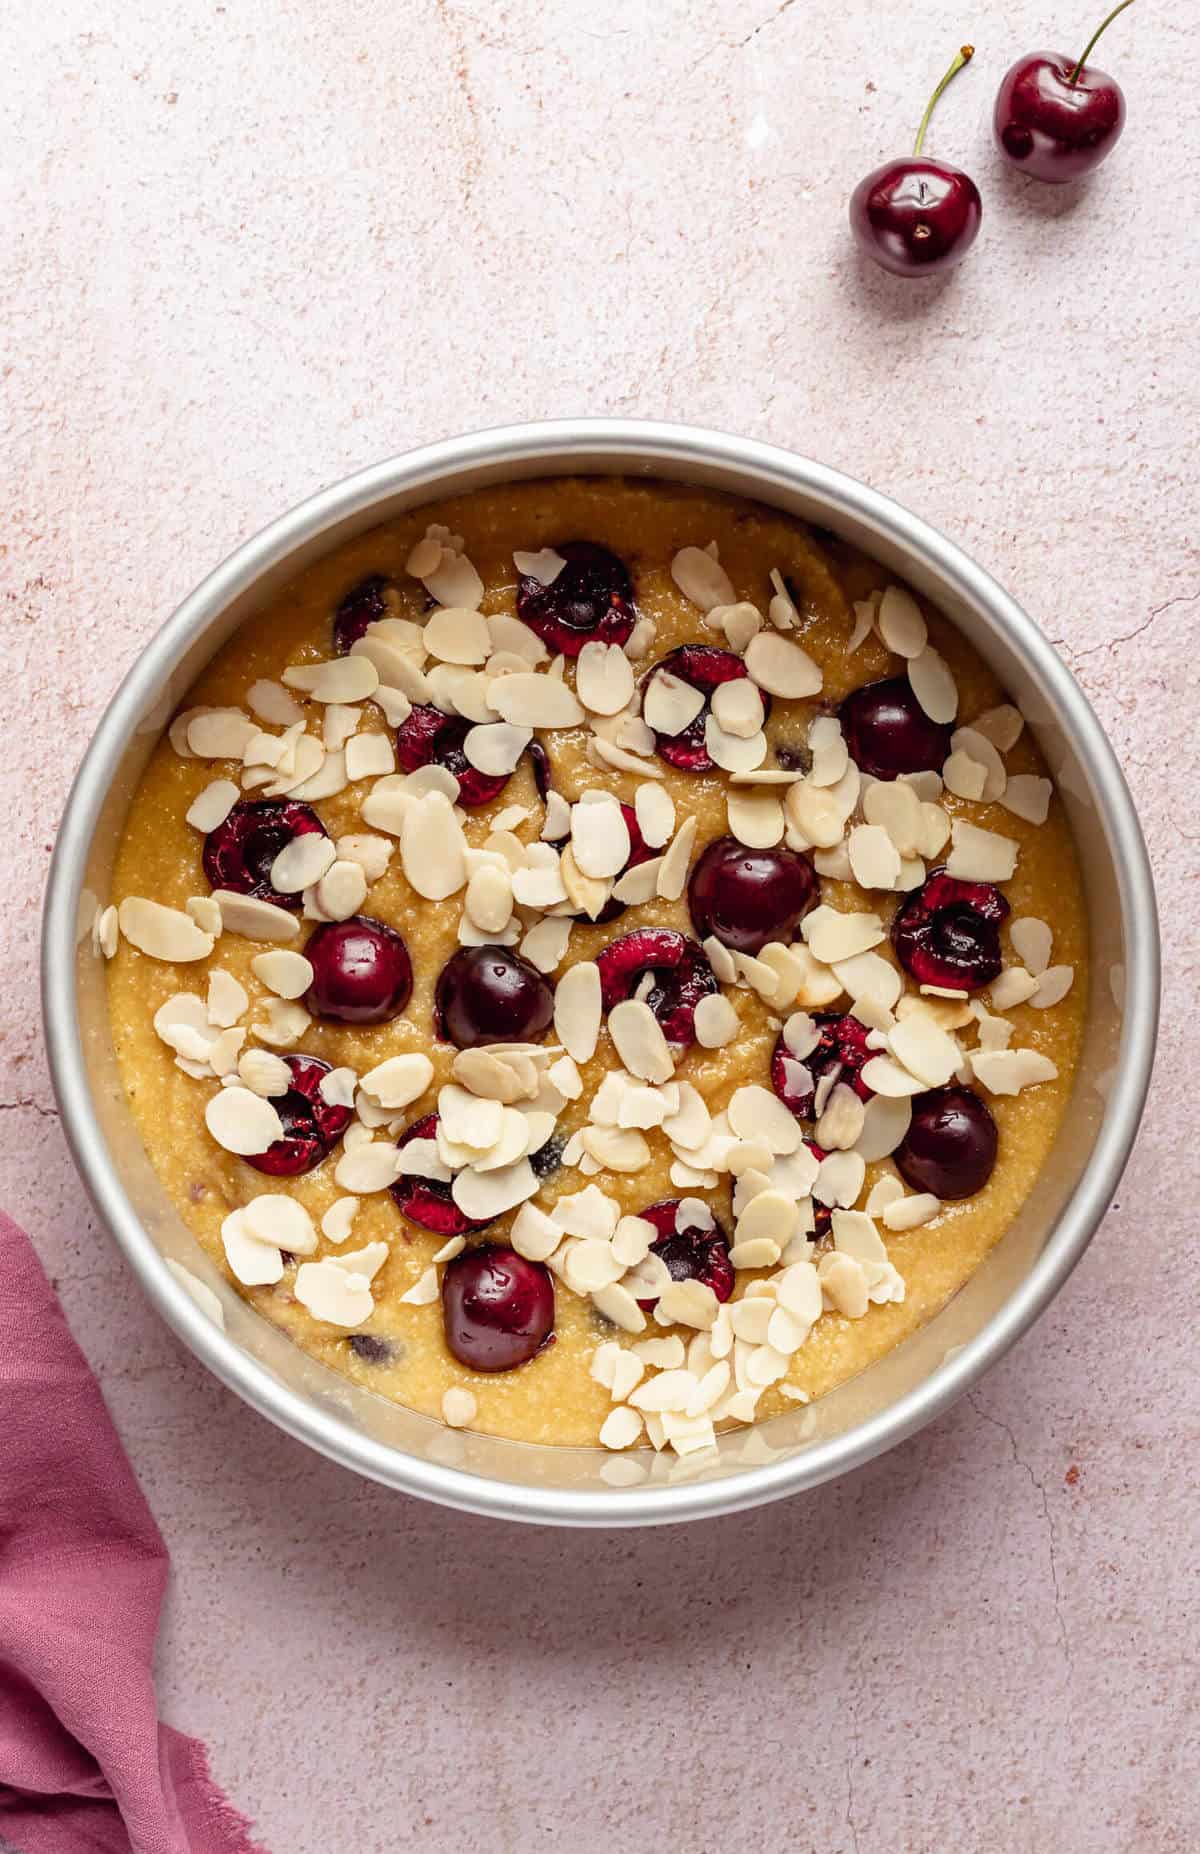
(964, 57)
(1102, 27)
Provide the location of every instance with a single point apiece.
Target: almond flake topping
(340, 679)
(755, 819)
(1052, 986)
(983, 752)
(161, 932)
(432, 847)
(716, 1022)
(756, 1114)
(369, 756)
(577, 1010)
(219, 733)
(900, 623)
(459, 1406)
(253, 1262)
(338, 1295)
(964, 776)
(603, 678)
(273, 1217)
(544, 566)
(484, 1195)
(1028, 796)
(782, 667)
(301, 862)
(227, 999)
(399, 1081)
(533, 700)
(340, 892)
(639, 1041)
(424, 1290)
(1008, 1071)
(599, 836)
(213, 805)
(242, 1122)
(673, 869)
(701, 578)
(924, 1050)
(832, 936)
(732, 752)
(655, 810)
(738, 707)
(933, 685)
(254, 919)
(980, 855)
(1013, 986)
(874, 858)
(1032, 941)
(669, 704)
(458, 634)
(1003, 726)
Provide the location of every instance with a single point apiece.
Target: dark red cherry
(681, 974)
(947, 932)
(705, 668)
(691, 1254)
(428, 737)
(489, 994)
(888, 732)
(590, 600)
(497, 1307)
(362, 973)
(311, 1125)
(915, 216)
(841, 1051)
(364, 604)
(1055, 117)
(748, 897)
(428, 1202)
(950, 1146)
(239, 853)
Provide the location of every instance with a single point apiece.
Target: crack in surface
(777, 14)
(1114, 643)
(31, 1107)
(999, 1423)
(851, 1760)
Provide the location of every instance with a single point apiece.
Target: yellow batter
(553, 1399)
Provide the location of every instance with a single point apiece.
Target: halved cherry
(428, 1202)
(312, 1125)
(681, 977)
(238, 854)
(363, 605)
(947, 932)
(690, 1254)
(705, 668)
(843, 1047)
(428, 737)
(590, 600)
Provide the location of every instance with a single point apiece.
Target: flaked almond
(253, 918)
(544, 566)
(532, 700)
(840, 1179)
(655, 811)
(577, 1010)
(1032, 941)
(738, 707)
(545, 945)
(254, 1263)
(227, 1000)
(830, 756)
(873, 856)
(273, 1217)
(843, 1282)
(424, 1290)
(933, 685)
(458, 634)
(399, 1080)
(301, 862)
(161, 932)
(840, 1124)
(669, 704)
(338, 725)
(982, 752)
(755, 818)
(1052, 987)
(1003, 726)
(369, 756)
(599, 837)
(900, 623)
(673, 869)
(888, 1077)
(832, 936)
(963, 776)
(213, 805)
(1028, 796)
(740, 623)
(815, 815)
(432, 847)
(484, 1195)
(924, 1050)
(755, 1114)
(731, 752)
(893, 805)
(639, 1041)
(1013, 986)
(909, 1213)
(701, 578)
(639, 884)
(980, 855)
(272, 703)
(1008, 1071)
(819, 985)
(340, 679)
(264, 1072)
(716, 1022)
(219, 733)
(886, 1120)
(587, 894)
(782, 667)
(340, 892)
(337, 1295)
(454, 581)
(242, 1122)
(603, 678)
(489, 898)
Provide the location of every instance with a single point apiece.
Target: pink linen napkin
(85, 1765)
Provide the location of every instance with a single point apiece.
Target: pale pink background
(249, 247)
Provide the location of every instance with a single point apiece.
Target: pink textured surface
(250, 247)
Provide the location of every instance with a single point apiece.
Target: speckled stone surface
(249, 247)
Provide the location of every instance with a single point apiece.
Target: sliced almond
(639, 1041)
(716, 1022)
(964, 776)
(1032, 941)
(458, 634)
(740, 623)
(731, 752)
(1003, 726)
(1013, 986)
(1028, 797)
(886, 1120)
(272, 703)
(532, 700)
(738, 707)
(933, 685)
(832, 936)
(874, 858)
(340, 679)
(544, 566)
(489, 898)
(545, 945)
(161, 932)
(369, 756)
(701, 578)
(254, 1263)
(588, 894)
(399, 1080)
(924, 1050)
(983, 752)
(432, 847)
(830, 756)
(252, 918)
(301, 862)
(980, 855)
(900, 623)
(495, 747)
(815, 814)
(840, 1124)
(782, 667)
(219, 733)
(887, 1077)
(673, 869)
(755, 818)
(577, 1010)
(213, 805)
(669, 704)
(1052, 987)
(755, 1114)
(1008, 1071)
(242, 1122)
(227, 1000)
(655, 810)
(599, 837)
(337, 1295)
(603, 678)
(340, 892)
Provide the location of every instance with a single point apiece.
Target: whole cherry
(916, 216)
(1057, 118)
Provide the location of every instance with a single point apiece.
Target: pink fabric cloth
(85, 1765)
